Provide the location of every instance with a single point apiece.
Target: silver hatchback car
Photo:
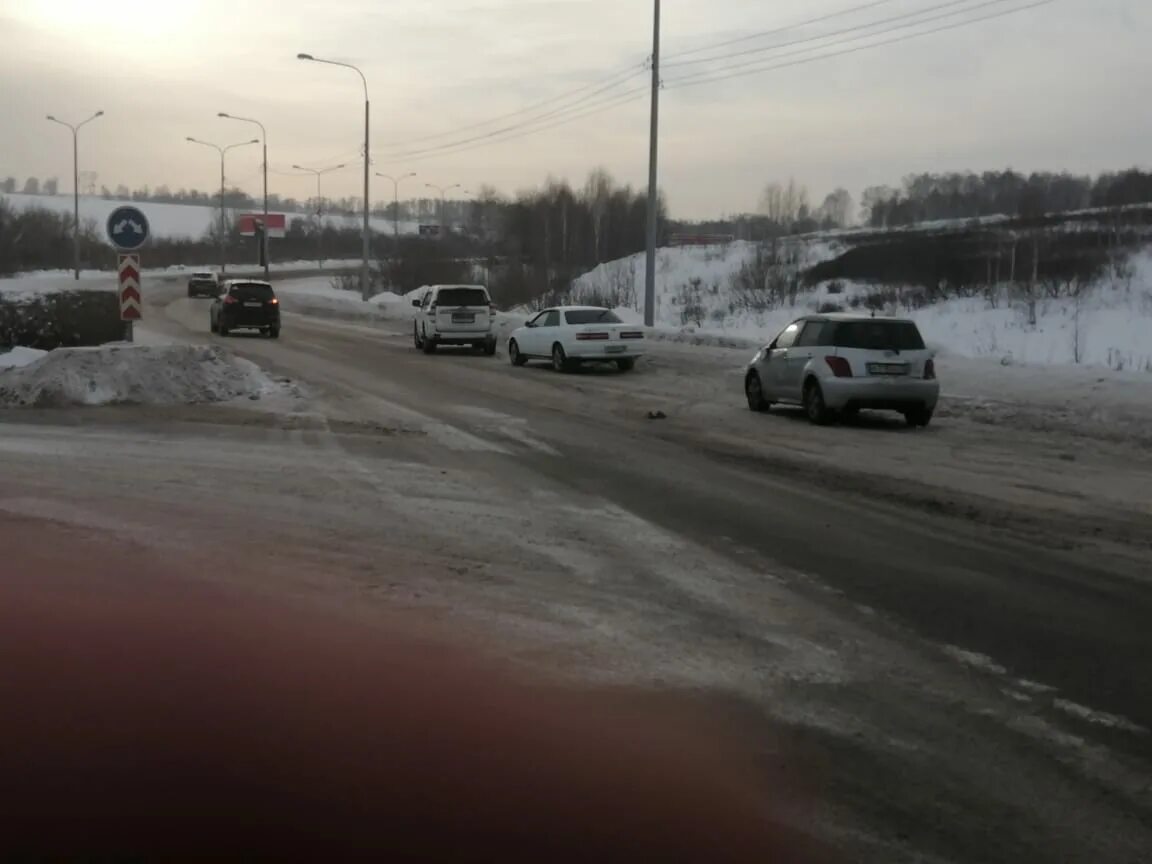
(836, 365)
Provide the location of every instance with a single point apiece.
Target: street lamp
(365, 282)
(223, 221)
(396, 206)
(76, 187)
(443, 190)
(319, 172)
(263, 234)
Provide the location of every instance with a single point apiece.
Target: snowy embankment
(699, 296)
(179, 221)
(318, 296)
(128, 374)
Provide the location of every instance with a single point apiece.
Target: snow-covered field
(128, 374)
(188, 221)
(1110, 327)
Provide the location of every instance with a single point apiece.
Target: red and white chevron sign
(131, 306)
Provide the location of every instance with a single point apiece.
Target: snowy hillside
(713, 290)
(173, 220)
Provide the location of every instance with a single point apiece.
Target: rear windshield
(878, 336)
(462, 297)
(592, 316)
(203, 275)
(252, 291)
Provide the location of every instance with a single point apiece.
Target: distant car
(203, 284)
(836, 365)
(246, 305)
(454, 315)
(571, 335)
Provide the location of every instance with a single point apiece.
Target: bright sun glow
(123, 19)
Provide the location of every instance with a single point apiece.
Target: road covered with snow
(941, 634)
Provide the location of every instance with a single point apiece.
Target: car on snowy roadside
(837, 365)
(569, 336)
(203, 283)
(245, 304)
(454, 315)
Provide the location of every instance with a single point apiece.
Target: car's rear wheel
(490, 348)
(918, 417)
(627, 364)
(429, 345)
(222, 328)
(273, 332)
(560, 361)
(754, 391)
(814, 405)
(514, 355)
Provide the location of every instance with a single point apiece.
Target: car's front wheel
(754, 392)
(416, 340)
(514, 355)
(814, 405)
(918, 417)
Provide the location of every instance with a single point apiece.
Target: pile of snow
(19, 357)
(1108, 326)
(133, 374)
(318, 296)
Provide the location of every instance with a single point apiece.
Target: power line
(841, 14)
(903, 16)
(723, 75)
(516, 126)
(500, 138)
(609, 82)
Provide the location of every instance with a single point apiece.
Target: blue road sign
(127, 228)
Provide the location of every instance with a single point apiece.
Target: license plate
(614, 349)
(887, 369)
(254, 305)
(463, 318)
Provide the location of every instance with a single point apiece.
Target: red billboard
(247, 222)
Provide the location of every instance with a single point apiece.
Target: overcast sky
(1062, 86)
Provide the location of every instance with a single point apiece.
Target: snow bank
(1109, 326)
(133, 374)
(25, 286)
(19, 357)
(317, 296)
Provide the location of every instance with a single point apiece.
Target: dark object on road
(165, 725)
(246, 305)
(657, 415)
(203, 284)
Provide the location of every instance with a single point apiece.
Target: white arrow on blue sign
(127, 228)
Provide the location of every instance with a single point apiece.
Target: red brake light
(840, 367)
(930, 369)
(229, 299)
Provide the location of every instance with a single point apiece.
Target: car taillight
(229, 300)
(492, 309)
(930, 369)
(632, 335)
(840, 367)
(432, 308)
(589, 337)
(275, 301)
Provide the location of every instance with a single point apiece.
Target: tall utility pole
(396, 207)
(76, 187)
(653, 151)
(365, 276)
(264, 256)
(223, 218)
(443, 190)
(319, 208)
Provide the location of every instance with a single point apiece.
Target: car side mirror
(529, 324)
(416, 303)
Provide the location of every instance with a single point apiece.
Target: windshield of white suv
(462, 297)
(592, 316)
(878, 336)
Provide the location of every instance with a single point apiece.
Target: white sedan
(571, 335)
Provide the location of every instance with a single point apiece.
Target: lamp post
(443, 190)
(319, 172)
(396, 206)
(223, 219)
(76, 187)
(365, 282)
(263, 234)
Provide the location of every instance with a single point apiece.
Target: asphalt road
(951, 670)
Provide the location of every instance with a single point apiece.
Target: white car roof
(577, 309)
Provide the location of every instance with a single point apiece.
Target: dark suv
(203, 284)
(244, 304)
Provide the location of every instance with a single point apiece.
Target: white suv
(838, 364)
(454, 315)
